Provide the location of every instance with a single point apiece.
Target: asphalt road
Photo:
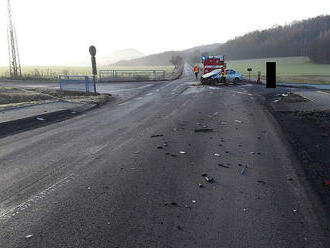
(100, 180)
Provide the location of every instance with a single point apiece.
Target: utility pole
(14, 61)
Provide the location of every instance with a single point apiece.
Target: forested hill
(309, 38)
(304, 38)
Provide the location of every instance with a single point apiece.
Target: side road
(24, 108)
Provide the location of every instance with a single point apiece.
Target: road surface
(102, 180)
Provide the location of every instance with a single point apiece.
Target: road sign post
(249, 70)
(92, 51)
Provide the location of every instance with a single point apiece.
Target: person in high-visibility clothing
(223, 75)
(196, 71)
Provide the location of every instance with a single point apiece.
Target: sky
(59, 32)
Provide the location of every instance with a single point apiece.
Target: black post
(270, 74)
(92, 51)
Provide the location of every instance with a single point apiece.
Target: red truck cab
(211, 63)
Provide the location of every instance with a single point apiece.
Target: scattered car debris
(285, 94)
(159, 147)
(89, 188)
(294, 210)
(29, 236)
(40, 119)
(252, 153)
(157, 135)
(179, 227)
(204, 130)
(243, 171)
(238, 121)
(204, 175)
(209, 180)
(165, 144)
(174, 155)
(174, 204)
(224, 166)
(217, 154)
(182, 152)
(200, 185)
(193, 201)
(276, 100)
(290, 179)
(261, 182)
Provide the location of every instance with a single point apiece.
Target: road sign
(92, 51)
(249, 70)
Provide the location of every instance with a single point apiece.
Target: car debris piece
(159, 147)
(224, 166)
(182, 152)
(217, 154)
(290, 179)
(261, 182)
(285, 94)
(200, 185)
(174, 155)
(204, 175)
(157, 135)
(243, 171)
(204, 130)
(193, 201)
(40, 119)
(276, 100)
(29, 236)
(238, 121)
(209, 180)
(252, 153)
(179, 227)
(174, 204)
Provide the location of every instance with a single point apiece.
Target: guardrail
(76, 83)
(131, 75)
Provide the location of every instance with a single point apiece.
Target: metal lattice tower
(14, 61)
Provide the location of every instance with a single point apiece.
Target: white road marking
(7, 214)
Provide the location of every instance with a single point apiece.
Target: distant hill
(126, 54)
(309, 38)
(189, 55)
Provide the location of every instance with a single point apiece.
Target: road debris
(261, 182)
(276, 100)
(159, 147)
(174, 204)
(217, 154)
(29, 236)
(193, 201)
(157, 135)
(252, 153)
(285, 94)
(209, 180)
(182, 152)
(243, 171)
(204, 175)
(174, 155)
(40, 119)
(238, 121)
(200, 185)
(179, 227)
(204, 130)
(290, 179)
(224, 166)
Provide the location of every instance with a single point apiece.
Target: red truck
(211, 63)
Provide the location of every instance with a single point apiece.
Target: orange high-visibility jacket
(223, 72)
(196, 69)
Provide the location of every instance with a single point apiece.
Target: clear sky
(55, 32)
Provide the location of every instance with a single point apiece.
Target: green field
(289, 69)
(55, 71)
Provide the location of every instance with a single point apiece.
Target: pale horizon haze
(59, 32)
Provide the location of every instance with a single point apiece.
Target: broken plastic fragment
(238, 121)
(40, 119)
(182, 152)
(193, 201)
(28, 236)
(217, 154)
(157, 135)
(204, 130)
